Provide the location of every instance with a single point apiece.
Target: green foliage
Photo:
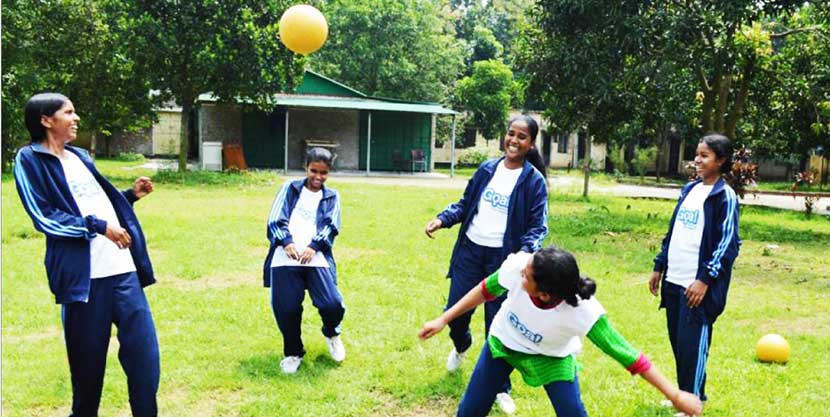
(476, 156)
(229, 48)
(617, 157)
(643, 159)
(404, 49)
(86, 50)
(487, 94)
(790, 110)
(130, 157)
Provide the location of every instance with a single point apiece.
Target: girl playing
(503, 210)
(302, 225)
(96, 256)
(695, 262)
(538, 330)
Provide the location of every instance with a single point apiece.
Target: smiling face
(317, 173)
(707, 163)
(63, 125)
(517, 141)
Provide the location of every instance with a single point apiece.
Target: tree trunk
(708, 107)
(740, 100)
(724, 84)
(660, 138)
(587, 166)
(184, 140)
(92, 140)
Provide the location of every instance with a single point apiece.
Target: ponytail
(556, 273)
(535, 159)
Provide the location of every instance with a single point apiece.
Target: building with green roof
(365, 133)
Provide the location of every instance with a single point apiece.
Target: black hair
(722, 147)
(556, 273)
(39, 105)
(533, 156)
(318, 155)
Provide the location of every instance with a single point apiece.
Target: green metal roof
(318, 84)
(352, 103)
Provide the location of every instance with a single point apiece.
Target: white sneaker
(336, 348)
(506, 403)
(290, 364)
(455, 359)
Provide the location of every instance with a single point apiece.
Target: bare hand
(291, 251)
(432, 226)
(687, 403)
(305, 257)
(654, 283)
(119, 236)
(431, 328)
(695, 293)
(142, 186)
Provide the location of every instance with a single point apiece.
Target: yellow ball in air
(303, 29)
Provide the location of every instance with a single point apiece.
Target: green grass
(220, 345)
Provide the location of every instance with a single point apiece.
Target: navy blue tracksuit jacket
(527, 212)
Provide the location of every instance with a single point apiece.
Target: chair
(417, 160)
(398, 161)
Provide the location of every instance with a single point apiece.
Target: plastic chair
(418, 160)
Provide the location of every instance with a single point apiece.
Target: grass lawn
(221, 348)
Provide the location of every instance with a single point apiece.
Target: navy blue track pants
(490, 374)
(288, 285)
(473, 263)
(118, 300)
(690, 335)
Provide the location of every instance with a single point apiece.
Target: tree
(790, 110)
(574, 57)
(404, 49)
(229, 48)
(82, 49)
(487, 94)
(725, 42)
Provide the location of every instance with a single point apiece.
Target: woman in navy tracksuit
(302, 225)
(96, 256)
(503, 211)
(695, 261)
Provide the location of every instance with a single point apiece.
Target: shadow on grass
(268, 367)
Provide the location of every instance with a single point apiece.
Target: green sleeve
(607, 339)
(492, 288)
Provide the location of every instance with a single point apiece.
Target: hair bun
(586, 287)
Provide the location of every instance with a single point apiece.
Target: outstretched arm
(606, 337)
(471, 300)
(683, 401)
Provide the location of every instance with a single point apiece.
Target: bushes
(476, 156)
(130, 157)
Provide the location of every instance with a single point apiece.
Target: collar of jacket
(39, 148)
(298, 186)
(717, 188)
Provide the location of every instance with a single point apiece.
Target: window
(562, 142)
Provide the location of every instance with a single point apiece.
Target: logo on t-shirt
(305, 213)
(689, 218)
(533, 337)
(498, 201)
(83, 189)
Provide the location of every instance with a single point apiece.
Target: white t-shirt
(105, 257)
(522, 326)
(488, 225)
(684, 247)
(303, 226)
